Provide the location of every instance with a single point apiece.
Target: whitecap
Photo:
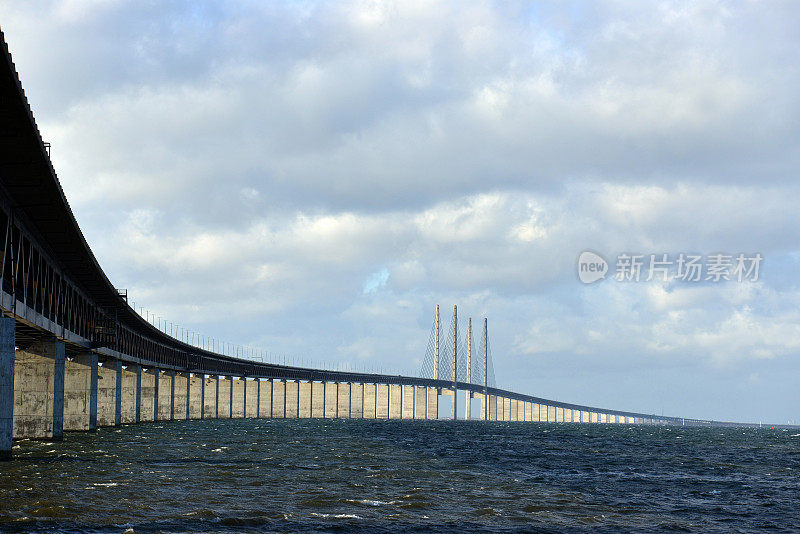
(373, 503)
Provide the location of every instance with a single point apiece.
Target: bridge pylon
(454, 406)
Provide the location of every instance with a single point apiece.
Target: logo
(591, 267)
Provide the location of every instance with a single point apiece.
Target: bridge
(75, 356)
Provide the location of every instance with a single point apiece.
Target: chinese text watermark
(683, 267)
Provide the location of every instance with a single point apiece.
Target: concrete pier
(344, 401)
(251, 398)
(237, 406)
(432, 409)
(109, 383)
(329, 399)
(304, 400)
(210, 397)
(7, 357)
(356, 401)
(317, 400)
(164, 410)
(278, 398)
(38, 410)
(224, 398)
(394, 402)
(79, 390)
(181, 391)
(138, 388)
(292, 399)
(420, 402)
(196, 401)
(369, 401)
(147, 395)
(382, 401)
(265, 398)
(407, 396)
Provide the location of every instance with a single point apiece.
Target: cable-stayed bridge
(74, 355)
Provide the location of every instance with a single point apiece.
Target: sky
(313, 178)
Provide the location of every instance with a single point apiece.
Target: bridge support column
(216, 397)
(238, 397)
(395, 401)
(267, 399)
(375, 407)
(138, 371)
(285, 397)
(78, 372)
(229, 380)
(224, 397)
(157, 391)
(171, 376)
(343, 404)
(420, 402)
(369, 401)
(129, 396)
(38, 410)
(324, 399)
(318, 400)
(278, 399)
(109, 381)
(407, 396)
(117, 394)
(330, 400)
(196, 396)
(258, 398)
(188, 385)
(336, 402)
(304, 400)
(356, 401)
(292, 399)
(150, 381)
(181, 390)
(244, 397)
(382, 401)
(8, 328)
(163, 395)
(432, 404)
(209, 397)
(251, 396)
(93, 378)
(58, 390)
